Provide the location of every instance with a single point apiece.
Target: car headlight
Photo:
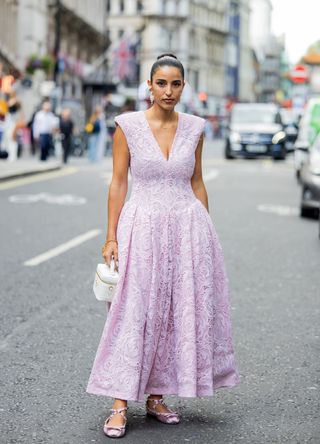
(235, 137)
(315, 167)
(278, 137)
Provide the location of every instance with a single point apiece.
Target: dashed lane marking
(280, 210)
(37, 178)
(210, 175)
(72, 243)
(57, 199)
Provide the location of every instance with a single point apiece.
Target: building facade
(271, 69)
(23, 31)
(260, 25)
(28, 28)
(246, 65)
(194, 30)
(269, 51)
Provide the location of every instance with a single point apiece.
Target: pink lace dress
(168, 330)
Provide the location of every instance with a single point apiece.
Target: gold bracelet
(111, 240)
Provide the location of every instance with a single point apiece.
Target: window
(120, 33)
(121, 5)
(164, 7)
(108, 6)
(139, 5)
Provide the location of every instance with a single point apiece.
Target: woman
(93, 128)
(168, 330)
(13, 122)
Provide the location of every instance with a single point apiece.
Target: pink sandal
(169, 417)
(115, 431)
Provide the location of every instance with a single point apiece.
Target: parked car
(301, 146)
(255, 129)
(310, 181)
(309, 128)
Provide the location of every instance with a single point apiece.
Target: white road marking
(108, 177)
(36, 178)
(62, 248)
(210, 175)
(280, 210)
(63, 199)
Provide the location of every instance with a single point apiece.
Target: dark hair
(166, 59)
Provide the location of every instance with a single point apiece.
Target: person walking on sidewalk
(44, 125)
(14, 121)
(95, 130)
(66, 131)
(168, 329)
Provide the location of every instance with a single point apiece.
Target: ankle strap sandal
(115, 431)
(169, 417)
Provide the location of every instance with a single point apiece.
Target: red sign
(299, 74)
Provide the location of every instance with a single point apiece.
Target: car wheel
(227, 152)
(282, 154)
(306, 212)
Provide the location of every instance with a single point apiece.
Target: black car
(255, 129)
(310, 181)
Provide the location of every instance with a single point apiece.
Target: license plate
(256, 148)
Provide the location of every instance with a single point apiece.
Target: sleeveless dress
(168, 330)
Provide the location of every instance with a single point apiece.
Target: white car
(301, 146)
(307, 133)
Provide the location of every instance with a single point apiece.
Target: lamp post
(57, 40)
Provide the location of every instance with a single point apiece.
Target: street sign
(299, 74)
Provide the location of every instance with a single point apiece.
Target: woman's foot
(115, 424)
(156, 407)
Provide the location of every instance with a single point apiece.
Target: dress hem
(165, 391)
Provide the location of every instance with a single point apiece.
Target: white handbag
(105, 281)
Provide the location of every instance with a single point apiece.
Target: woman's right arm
(117, 193)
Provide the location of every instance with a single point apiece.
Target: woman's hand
(109, 250)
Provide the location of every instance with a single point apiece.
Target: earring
(151, 97)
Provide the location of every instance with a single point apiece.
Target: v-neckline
(157, 143)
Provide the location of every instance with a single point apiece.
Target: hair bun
(167, 55)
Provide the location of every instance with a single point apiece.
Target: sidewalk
(26, 167)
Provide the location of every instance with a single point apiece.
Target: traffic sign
(299, 74)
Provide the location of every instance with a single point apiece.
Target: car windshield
(252, 115)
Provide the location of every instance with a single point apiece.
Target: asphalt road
(51, 323)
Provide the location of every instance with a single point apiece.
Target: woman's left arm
(197, 183)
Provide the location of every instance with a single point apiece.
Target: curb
(30, 172)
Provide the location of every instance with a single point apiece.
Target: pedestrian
(66, 131)
(13, 122)
(168, 329)
(33, 144)
(208, 130)
(102, 139)
(44, 125)
(93, 128)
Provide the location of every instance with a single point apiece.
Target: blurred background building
(195, 31)
(85, 51)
